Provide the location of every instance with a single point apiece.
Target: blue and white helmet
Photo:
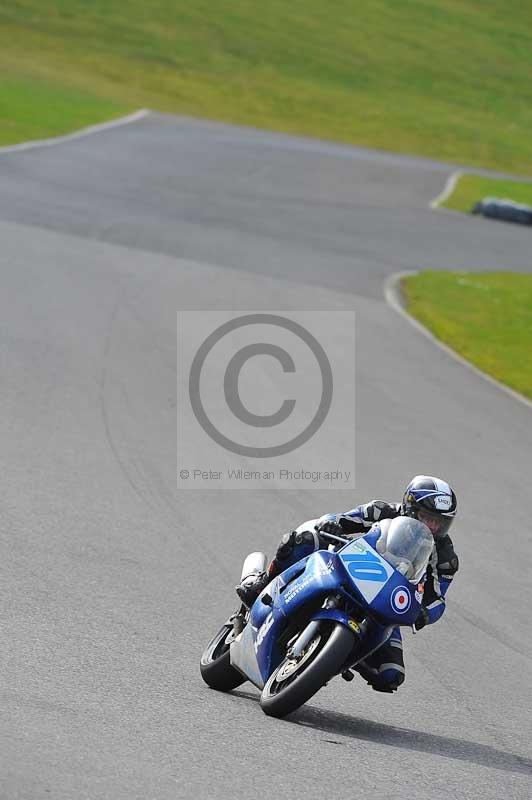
(432, 501)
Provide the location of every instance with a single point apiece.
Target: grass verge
(485, 317)
(471, 188)
(442, 78)
(33, 108)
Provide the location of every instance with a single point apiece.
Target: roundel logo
(400, 600)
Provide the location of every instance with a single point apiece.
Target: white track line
(447, 189)
(70, 137)
(392, 293)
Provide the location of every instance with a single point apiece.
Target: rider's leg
(292, 548)
(384, 669)
(253, 578)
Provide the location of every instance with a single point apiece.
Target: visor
(436, 523)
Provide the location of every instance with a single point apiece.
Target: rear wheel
(296, 680)
(215, 664)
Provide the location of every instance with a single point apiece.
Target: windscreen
(407, 545)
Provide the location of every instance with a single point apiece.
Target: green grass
(486, 317)
(443, 78)
(471, 188)
(31, 108)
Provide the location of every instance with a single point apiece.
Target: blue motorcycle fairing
(251, 654)
(370, 574)
(263, 619)
(255, 652)
(259, 610)
(322, 574)
(356, 571)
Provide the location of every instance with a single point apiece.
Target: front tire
(295, 682)
(215, 664)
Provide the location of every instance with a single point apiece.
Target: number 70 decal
(366, 567)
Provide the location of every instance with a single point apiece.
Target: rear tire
(295, 682)
(215, 664)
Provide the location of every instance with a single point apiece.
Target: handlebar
(331, 537)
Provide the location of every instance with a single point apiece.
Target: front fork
(368, 634)
(298, 647)
(329, 612)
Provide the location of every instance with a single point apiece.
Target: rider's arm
(434, 601)
(361, 518)
(438, 581)
(305, 539)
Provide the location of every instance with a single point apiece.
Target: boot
(250, 588)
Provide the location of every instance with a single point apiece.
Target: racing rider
(428, 499)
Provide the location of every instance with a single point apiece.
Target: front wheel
(215, 664)
(296, 680)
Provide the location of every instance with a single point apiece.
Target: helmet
(431, 501)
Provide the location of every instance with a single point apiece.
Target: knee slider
(297, 543)
(286, 546)
(305, 539)
(305, 543)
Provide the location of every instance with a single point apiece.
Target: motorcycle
(322, 616)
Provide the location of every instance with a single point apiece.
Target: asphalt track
(112, 581)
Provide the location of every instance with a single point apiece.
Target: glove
(332, 527)
(423, 618)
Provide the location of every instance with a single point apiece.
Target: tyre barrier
(504, 209)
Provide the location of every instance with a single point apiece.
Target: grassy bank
(486, 317)
(471, 188)
(31, 108)
(444, 78)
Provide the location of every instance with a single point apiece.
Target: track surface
(113, 581)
